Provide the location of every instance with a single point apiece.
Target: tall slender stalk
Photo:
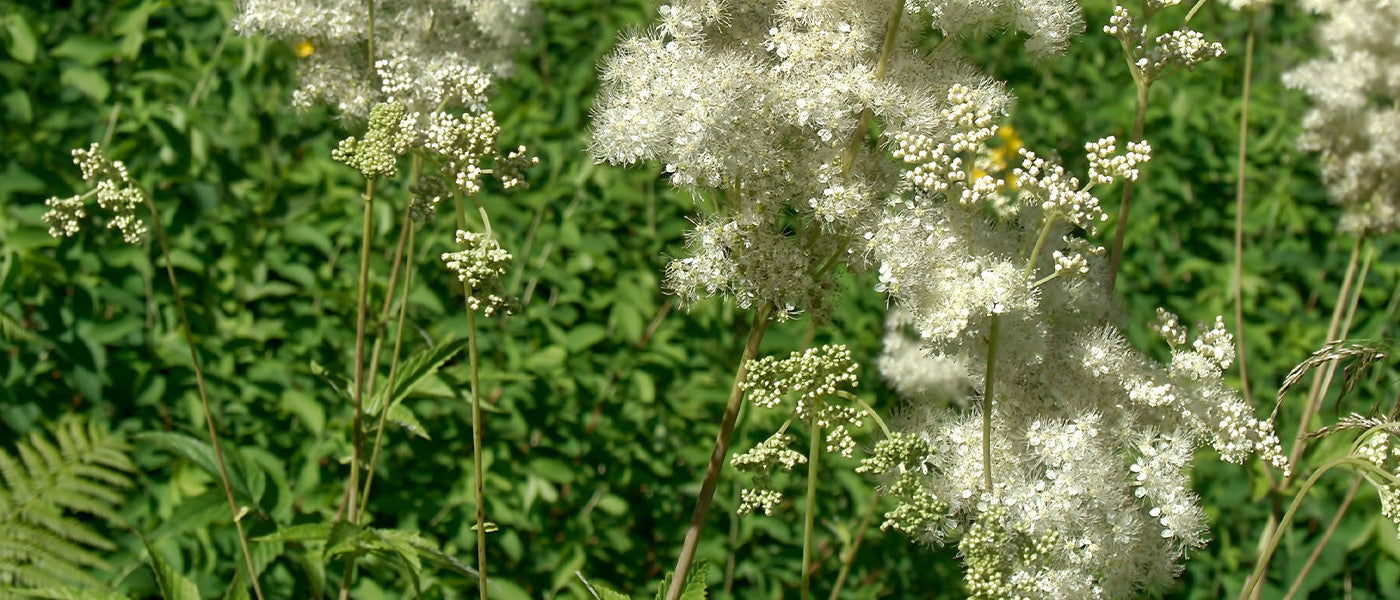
(1239, 207)
(362, 305)
(848, 557)
(757, 329)
(1115, 257)
(1271, 544)
(1322, 541)
(1334, 333)
(393, 371)
(814, 449)
(477, 436)
(204, 397)
(988, 379)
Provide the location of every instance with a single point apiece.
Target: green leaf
(173, 585)
(581, 337)
(247, 480)
(403, 417)
(694, 583)
(600, 591)
(414, 370)
(299, 533)
(22, 43)
(547, 359)
(74, 594)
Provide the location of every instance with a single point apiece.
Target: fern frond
(76, 467)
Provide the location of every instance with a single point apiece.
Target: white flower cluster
(1066, 516)
(428, 54)
(1380, 449)
(1355, 119)
(479, 263)
(762, 108)
(1170, 52)
(916, 375)
(950, 268)
(1049, 23)
(1074, 405)
(115, 192)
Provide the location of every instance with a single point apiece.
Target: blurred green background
(604, 396)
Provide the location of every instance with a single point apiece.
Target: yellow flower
(304, 49)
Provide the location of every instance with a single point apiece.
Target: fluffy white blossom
(428, 54)
(760, 109)
(1354, 123)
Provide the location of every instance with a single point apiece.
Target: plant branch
(721, 450)
(204, 397)
(1115, 257)
(1239, 209)
(814, 449)
(849, 555)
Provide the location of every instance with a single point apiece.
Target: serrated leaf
(247, 480)
(299, 533)
(600, 591)
(694, 588)
(413, 371)
(173, 585)
(403, 417)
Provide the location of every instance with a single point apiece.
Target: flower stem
(1335, 331)
(848, 557)
(1239, 209)
(393, 369)
(814, 450)
(848, 159)
(362, 306)
(1270, 545)
(476, 447)
(1322, 542)
(721, 450)
(203, 396)
(1115, 258)
(988, 380)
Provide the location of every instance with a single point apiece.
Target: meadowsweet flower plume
(1064, 517)
(428, 55)
(1354, 123)
(758, 109)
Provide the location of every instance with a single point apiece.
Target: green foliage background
(604, 396)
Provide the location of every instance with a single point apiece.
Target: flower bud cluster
(773, 453)
(390, 134)
(462, 141)
(814, 375)
(116, 194)
(479, 263)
